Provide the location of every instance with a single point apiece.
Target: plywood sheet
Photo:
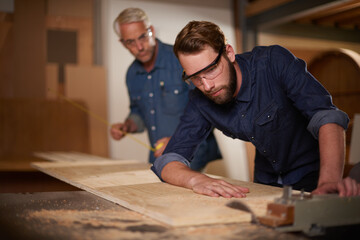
(134, 186)
(60, 156)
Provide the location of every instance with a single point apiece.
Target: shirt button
(153, 128)
(152, 111)
(242, 115)
(176, 91)
(274, 161)
(252, 138)
(264, 151)
(269, 116)
(149, 77)
(151, 94)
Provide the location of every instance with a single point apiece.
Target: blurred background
(69, 47)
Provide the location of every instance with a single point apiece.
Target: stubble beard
(228, 90)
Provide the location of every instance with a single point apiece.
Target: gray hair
(130, 15)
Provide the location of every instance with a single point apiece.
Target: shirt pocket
(174, 98)
(268, 118)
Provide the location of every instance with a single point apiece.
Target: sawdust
(104, 224)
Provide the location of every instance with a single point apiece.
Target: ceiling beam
(288, 12)
(312, 31)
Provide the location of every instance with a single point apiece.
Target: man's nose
(208, 85)
(139, 45)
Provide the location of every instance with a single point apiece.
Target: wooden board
(28, 125)
(133, 185)
(94, 95)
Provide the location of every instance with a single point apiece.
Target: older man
(157, 94)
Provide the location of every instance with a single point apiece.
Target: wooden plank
(28, 125)
(94, 94)
(78, 8)
(260, 6)
(69, 156)
(29, 49)
(135, 186)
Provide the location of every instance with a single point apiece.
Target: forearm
(177, 173)
(332, 153)
(184, 176)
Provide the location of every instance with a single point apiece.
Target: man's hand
(205, 185)
(179, 174)
(346, 187)
(119, 130)
(160, 146)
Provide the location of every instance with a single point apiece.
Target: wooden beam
(288, 12)
(260, 6)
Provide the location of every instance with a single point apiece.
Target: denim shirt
(279, 109)
(158, 98)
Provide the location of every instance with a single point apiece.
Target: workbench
(62, 211)
(82, 215)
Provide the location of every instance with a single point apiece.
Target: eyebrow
(208, 66)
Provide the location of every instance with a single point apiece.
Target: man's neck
(149, 65)
(238, 79)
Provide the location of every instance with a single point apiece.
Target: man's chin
(219, 100)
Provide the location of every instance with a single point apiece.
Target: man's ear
(152, 30)
(230, 52)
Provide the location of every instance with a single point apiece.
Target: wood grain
(134, 186)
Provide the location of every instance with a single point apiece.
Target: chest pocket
(174, 98)
(268, 119)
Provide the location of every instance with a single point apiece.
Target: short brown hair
(196, 35)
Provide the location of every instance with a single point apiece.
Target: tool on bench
(311, 214)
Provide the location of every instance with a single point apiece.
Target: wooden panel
(29, 51)
(79, 8)
(6, 59)
(84, 29)
(134, 186)
(88, 83)
(28, 125)
(51, 80)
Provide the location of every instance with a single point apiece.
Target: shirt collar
(159, 61)
(244, 93)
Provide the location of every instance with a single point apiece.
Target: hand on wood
(346, 187)
(205, 185)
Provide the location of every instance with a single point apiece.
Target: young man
(265, 96)
(157, 93)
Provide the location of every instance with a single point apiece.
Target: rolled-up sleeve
(327, 116)
(138, 121)
(161, 161)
